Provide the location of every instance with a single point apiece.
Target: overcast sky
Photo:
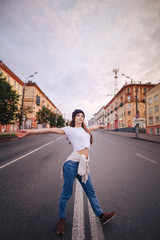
(74, 45)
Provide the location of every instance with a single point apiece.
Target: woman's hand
(21, 133)
(102, 126)
(95, 127)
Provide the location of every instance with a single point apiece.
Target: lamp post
(22, 106)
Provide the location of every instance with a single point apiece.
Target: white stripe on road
(146, 158)
(109, 141)
(59, 138)
(78, 231)
(17, 159)
(96, 228)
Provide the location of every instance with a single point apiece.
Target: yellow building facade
(129, 103)
(35, 99)
(17, 85)
(153, 110)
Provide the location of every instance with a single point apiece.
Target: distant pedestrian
(76, 165)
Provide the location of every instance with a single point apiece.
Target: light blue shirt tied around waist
(83, 167)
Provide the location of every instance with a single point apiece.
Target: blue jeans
(70, 169)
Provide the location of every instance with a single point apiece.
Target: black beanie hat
(76, 111)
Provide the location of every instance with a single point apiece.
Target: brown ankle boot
(61, 226)
(107, 217)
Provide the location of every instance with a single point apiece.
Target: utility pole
(116, 70)
(22, 106)
(137, 115)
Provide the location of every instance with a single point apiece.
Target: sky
(74, 45)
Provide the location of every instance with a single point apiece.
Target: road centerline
(78, 229)
(96, 228)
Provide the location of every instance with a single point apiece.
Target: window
(150, 120)
(156, 98)
(129, 98)
(150, 100)
(145, 90)
(157, 131)
(129, 90)
(129, 113)
(38, 100)
(129, 105)
(8, 78)
(151, 130)
(18, 87)
(15, 84)
(156, 108)
(150, 110)
(156, 119)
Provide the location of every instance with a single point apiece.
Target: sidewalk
(6, 136)
(142, 136)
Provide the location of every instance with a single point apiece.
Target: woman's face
(79, 119)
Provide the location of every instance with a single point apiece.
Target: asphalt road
(125, 173)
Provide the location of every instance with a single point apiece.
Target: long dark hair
(72, 124)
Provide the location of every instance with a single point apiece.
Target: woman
(76, 166)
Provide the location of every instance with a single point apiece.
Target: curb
(141, 139)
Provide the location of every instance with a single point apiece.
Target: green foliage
(46, 116)
(43, 115)
(26, 111)
(52, 119)
(60, 121)
(8, 102)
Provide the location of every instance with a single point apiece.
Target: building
(17, 85)
(120, 113)
(99, 116)
(91, 122)
(153, 110)
(35, 99)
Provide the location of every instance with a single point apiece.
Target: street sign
(137, 116)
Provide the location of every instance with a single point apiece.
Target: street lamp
(21, 117)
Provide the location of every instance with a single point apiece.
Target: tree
(43, 115)
(46, 116)
(8, 102)
(52, 119)
(26, 111)
(60, 121)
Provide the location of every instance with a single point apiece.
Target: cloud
(75, 45)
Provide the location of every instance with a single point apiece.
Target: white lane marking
(17, 159)
(110, 141)
(59, 138)
(146, 158)
(96, 228)
(78, 231)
